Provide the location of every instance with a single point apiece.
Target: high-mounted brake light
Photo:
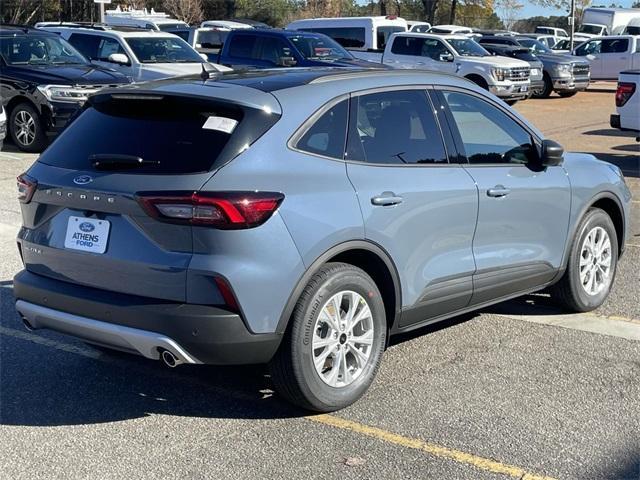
(624, 92)
(224, 210)
(26, 188)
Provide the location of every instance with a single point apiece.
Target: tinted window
(272, 49)
(614, 45)
(86, 44)
(108, 46)
(407, 46)
(348, 37)
(171, 132)
(210, 39)
(327, 135)
(242, 46)
(384, 33)
(488, 134)
(394, 128)
(319, 47)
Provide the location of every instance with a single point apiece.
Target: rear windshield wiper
(113, 161)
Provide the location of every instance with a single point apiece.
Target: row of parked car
(49, 71)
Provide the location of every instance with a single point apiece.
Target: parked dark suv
(44, 81)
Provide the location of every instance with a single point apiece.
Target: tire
(571, 292)
(567, 94)
(511, 102)
(293, 368)
(546, 90)
(25, 127)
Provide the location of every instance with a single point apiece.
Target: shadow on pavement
(41, 385)
(629, 164)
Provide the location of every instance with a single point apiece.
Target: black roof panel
(272, 80)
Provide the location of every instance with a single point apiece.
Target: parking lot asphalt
(519, 390)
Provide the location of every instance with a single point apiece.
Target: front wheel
(334, 345)
(25, 127)
(511, 102)
(592, 264)
(567, 94)
(546, 89)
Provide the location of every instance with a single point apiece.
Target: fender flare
(326, 256)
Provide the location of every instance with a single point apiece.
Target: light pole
(572, 21)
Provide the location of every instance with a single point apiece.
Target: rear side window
(407, 46)
(242, 46)
(85, 44)
(396, 127)
(615, 45)
(173, 135)
(348, 37)
(328, 134)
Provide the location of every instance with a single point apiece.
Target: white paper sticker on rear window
(221, 124)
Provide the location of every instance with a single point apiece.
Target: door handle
(498, 191)
(386, 199)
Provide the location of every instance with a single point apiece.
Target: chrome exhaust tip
(27, 325)
(169, 359)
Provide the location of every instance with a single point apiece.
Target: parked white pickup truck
(507, 78)
(627, 116)
(608, 56)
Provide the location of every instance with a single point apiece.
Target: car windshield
(319, 48)
(534, 45)
(163, 50)
(590, 29)
(39, 50)
(467, 47)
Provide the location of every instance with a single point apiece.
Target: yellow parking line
(458, 456)
(436, 450)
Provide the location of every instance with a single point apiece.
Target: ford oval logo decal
(82, 180)
(86, 227)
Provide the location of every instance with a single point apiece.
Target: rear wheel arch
(368, 256)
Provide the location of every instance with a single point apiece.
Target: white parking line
(622, 327)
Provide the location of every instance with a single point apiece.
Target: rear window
(383, 34)
(171, 135)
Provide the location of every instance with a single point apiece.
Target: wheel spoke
(339, 356)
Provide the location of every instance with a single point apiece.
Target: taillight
(624, 92)
(224, 210)
(26, 188)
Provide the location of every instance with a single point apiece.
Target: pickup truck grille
(519, 74)
(580, 70)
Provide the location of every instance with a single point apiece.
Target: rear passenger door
(419, 207)
(524, 210)
(615, 57)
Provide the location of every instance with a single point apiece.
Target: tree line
(491, 14)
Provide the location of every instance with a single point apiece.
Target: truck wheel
(546, 90)
(25, 127)
(334, 344)
(592, 264)
(511, 102)
(566, 94)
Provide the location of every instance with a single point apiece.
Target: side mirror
(446, 57)
(119, 58)
(204, 57)
(552, 153)
(287, 62)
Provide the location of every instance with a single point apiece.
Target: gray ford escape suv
(301, 218)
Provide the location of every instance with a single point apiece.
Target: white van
(150, 20)
(365, 37)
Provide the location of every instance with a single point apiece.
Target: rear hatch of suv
(85, 215)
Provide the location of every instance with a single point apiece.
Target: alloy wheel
(342, 339)
(25, 128)
(595, 261)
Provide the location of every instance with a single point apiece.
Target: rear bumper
(614, 121)
(194, 333)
